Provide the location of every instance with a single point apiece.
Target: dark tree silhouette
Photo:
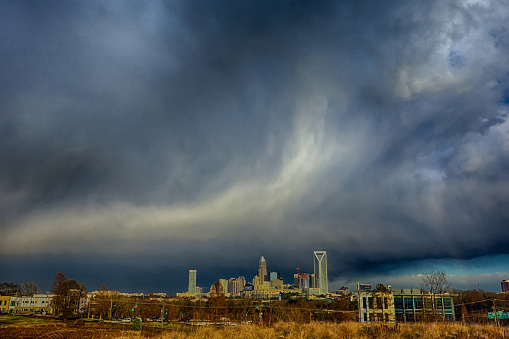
(9, 289)
(59, 278)
(66, 301)
(30, 288)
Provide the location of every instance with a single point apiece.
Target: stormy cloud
(165, 136)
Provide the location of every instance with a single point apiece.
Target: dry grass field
(18, 327)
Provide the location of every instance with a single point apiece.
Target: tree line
(11, 289)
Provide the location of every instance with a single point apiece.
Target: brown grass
(27, 329)
(342, 330)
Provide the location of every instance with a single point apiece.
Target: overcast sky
(141, 139)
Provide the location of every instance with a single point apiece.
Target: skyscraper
(262, 270)
(505, 285)
(224, 283)
(320, 266)
(274, 276)
(192, 282)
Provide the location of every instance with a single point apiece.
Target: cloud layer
(196, 130)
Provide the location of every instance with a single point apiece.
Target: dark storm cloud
(183, 129)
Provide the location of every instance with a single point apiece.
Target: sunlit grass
(9, 320)
(15, 326)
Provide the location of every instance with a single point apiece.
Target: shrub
(136, 324)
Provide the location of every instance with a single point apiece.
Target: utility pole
(495, 314)
(111, 306)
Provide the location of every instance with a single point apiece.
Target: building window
(398, 303)
(439, 302)
(408, 303)
(418, 303)
(447, 302)
(364, 302)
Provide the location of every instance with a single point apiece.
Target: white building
(37, 303)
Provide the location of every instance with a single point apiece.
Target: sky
(141, 139)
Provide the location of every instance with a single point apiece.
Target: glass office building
(320, 271)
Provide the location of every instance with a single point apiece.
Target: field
(24, 327)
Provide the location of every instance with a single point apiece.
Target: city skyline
(457, 281)
(141, 139)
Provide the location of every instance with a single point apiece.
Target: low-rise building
(375, 305)
(384, 304)
(5, 301)
(413, 304)
(37, 303)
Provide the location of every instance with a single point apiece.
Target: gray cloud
(377, 132)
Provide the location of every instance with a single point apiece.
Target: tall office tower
(320, 265)
(312, 281)
(274, 276)
(505, 285)
(234, 286)
(192, 282)
(224, 283)
(242, 282)
(296, 279)
(262, 270)
(301, 280)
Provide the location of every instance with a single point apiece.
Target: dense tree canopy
(67, 295)
(9, 289)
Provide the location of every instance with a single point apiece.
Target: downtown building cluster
(265, 285)
(366, 304)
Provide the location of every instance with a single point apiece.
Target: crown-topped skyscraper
(262, 270)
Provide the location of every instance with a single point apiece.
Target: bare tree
(30, 288)
(435, 282)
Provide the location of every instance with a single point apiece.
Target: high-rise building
(301, 280)
(312, 281)
(242, 281)
(274, 276)
(505, 285)
(262, 270)
(320, 269)
(224, 283)
(192, 282)
(235, 286)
